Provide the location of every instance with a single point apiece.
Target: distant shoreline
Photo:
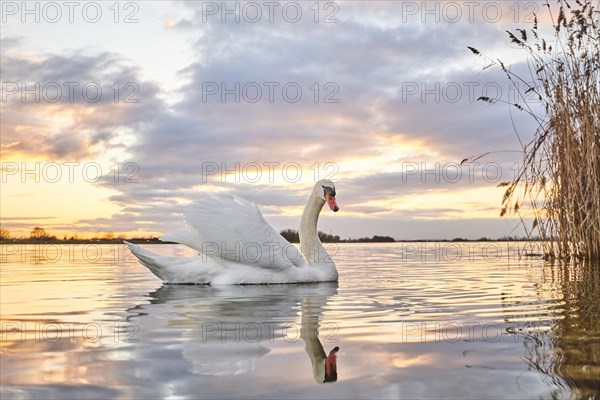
(157, 241)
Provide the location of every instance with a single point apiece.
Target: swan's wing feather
(189, 238)
(233, 229)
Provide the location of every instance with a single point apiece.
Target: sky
(115, 115)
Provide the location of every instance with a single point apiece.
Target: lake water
(411, 320)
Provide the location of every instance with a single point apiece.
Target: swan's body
(237, 245)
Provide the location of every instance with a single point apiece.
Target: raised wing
(233, 229)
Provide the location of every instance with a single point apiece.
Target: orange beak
(332, 203)
(331, 365)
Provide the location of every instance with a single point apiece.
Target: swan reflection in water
(224, 329)
(324, 366)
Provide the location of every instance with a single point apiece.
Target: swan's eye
(327, 189)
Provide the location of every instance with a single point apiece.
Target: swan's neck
(309, 332)
(310, 245)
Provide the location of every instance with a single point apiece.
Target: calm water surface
(411, 321)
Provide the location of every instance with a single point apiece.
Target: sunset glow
(257, 109)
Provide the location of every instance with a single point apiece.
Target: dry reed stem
(560, 180)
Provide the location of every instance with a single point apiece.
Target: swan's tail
(154, 262)
(172, 269)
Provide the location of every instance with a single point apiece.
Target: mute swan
(237, 245)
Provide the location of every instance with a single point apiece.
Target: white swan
(237, 245)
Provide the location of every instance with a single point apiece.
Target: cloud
(70, 106)
(368, 65)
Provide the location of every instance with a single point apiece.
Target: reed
(559, 182)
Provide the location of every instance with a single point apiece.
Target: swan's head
(331, 366)
(325, 189)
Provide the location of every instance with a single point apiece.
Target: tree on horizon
(39, 233)
(4, 233)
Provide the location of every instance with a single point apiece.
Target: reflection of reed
(567, 352)
(577, 334)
